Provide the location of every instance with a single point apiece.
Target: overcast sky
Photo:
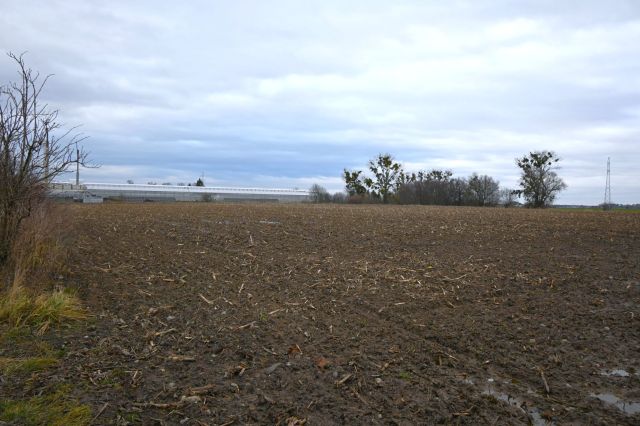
(288, 93)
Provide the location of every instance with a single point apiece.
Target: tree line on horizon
(385, 181)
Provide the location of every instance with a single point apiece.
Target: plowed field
(318, 315)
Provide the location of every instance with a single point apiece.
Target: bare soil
(319, 315)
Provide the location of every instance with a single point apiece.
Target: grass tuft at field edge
(53, 409)
(19, 308)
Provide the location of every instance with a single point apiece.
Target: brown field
(286, 314)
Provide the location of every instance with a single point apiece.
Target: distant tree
(386, 173)
(405, 190)
(319, 194)
(181, 184)
(353, 182)
(387, 181)
(338, 197)
(166, 183)
(152, 183)
(432, 187)
(508, 197)
(484, 190)
(538, 180)
(33, 151)
(130, 182)
(199, 182)
(406, 193)
(458, 191)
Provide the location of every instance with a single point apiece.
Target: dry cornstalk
(201, 389)
(249, 324)
(181, 358)
(162, 333)
(158, 404)
(104, 407)
(209, 302)
(269, 351)
(455, 279)
(544, 381)
(343, 380)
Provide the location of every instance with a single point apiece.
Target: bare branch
(34, 149)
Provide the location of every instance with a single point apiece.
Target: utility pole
(46, 150)
(77, 166)
(607, 189)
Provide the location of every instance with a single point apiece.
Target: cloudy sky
(288, 93)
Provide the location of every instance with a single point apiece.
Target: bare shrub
(33, 150)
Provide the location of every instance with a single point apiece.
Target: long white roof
(192, 189)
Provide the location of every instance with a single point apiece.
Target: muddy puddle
(618, 373)
(627, 407)
(533, 413)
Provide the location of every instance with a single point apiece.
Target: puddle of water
(627, 407)
(615, 373)
(534, 414)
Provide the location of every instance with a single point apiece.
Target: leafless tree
(339, 197)
(484, 190)
(508, 197)
(319, 194)
(34, 149)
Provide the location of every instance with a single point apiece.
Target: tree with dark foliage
(386, 173)
(539, 182)
(353, 182)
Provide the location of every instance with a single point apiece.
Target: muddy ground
(318, 315)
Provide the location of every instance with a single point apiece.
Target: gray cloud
(288, 93)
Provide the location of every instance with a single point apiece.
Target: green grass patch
(55, 409)
(25, 365)
(405, 375)
(114, 378)
(19, 308)
(44, 356)
(14, 334)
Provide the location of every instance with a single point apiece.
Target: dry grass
(30, 301)
(18, 307)
(38, 253)
(38, 256)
